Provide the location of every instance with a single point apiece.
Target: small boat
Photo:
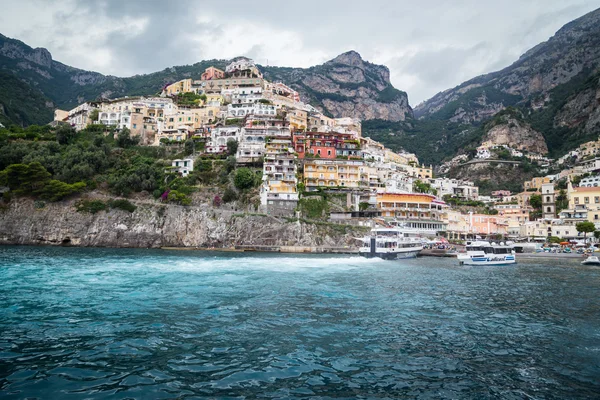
(486, 253)
(390, 244)
(591, 260)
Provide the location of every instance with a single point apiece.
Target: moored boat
(485, 253)
(390, 244)
(591, 260)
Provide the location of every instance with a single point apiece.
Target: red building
(328, 145)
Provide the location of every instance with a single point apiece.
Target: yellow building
(589, 149)
(214, 99)
(402, 159)
(182, 86)
(320, 123)
(333, 173)
(419, 172)
(536, 183)
(585, 199)
(298, 119)
(60, 115)
(419, 211)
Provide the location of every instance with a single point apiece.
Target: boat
(486, 253)
(390, 244)
(591, 260)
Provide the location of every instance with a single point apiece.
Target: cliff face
(154, 225)
(514, 132)
(347, 86)
(574, 49)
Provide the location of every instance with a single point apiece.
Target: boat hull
(483, 260)
(391, 255)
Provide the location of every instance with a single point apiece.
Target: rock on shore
(24, 221)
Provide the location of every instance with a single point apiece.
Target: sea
(81, 323)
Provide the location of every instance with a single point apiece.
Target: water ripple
(146, 324)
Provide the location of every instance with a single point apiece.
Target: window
(576, 200)
(134, 126)
(595, 216)
(597, 199)
(548, 209)
(547, 199)
(586, 200)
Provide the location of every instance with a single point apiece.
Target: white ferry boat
(485, 253)
(390, 244)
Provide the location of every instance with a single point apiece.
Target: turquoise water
(149, 324)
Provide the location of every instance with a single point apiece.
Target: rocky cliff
(347, 86)
(155, 225)
(510, 129)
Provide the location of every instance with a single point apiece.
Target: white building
(483, 153)
(219, 137)
(244, 109)
(455, 188)
(183, 166)
(590, 181)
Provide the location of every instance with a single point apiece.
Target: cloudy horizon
(428, 47)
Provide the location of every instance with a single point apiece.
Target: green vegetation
(562, 138)
(423, 187)
(585, 227)
(190, 99)
(34, 180)
(91, 206)
(313, 207)
(244, 178)
(122, 204)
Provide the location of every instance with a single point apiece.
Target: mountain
(346, 86)
(573, 50)
(555, 86)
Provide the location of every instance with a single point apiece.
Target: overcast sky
(429, 45)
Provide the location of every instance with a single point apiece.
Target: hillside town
(305, 154)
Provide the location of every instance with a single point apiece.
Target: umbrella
(564, 243)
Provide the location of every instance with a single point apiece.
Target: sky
(428, 45)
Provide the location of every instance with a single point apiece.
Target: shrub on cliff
(91, 206)
(122, 204)
(178, 198)
(243, 179)
(229, 195)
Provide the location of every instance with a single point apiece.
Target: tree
(94, 115)
(562, 201)
(65, 134)
(597, 234)
(535, 201)
(363, 205)
(243, 179)
(189, 146)
(229, 195)
(423, 187)
(125, 140)
(232, 147)
(585, 227)
(554, 239)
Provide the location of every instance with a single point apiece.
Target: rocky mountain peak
(351, 58)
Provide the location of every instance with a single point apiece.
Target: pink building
(501, 193)
(212, 73)
(484, 224)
